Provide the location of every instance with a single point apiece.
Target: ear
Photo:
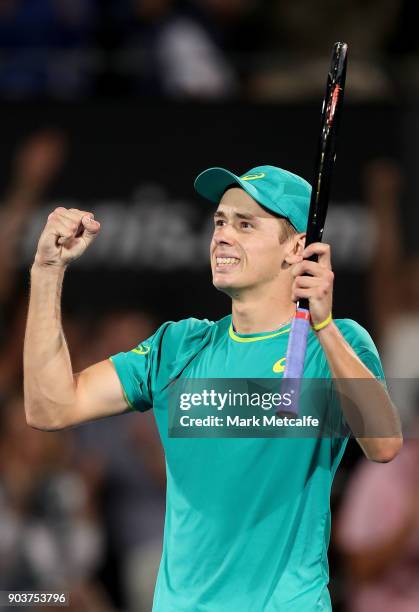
(296, 248)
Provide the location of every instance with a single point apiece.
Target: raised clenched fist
(66, 236)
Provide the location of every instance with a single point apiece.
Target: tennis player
(247, 520)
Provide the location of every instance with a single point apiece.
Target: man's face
(246, 251)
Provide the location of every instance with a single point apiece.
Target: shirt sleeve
(137, 368)
(362, 344)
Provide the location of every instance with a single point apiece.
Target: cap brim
(212, 183)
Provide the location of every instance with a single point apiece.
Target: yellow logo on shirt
(252, 177)
(142, 349)
(279, 366)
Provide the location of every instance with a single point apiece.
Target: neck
(254, 314)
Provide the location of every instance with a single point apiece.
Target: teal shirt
(247, 519)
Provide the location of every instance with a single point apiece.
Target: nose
(224, 235)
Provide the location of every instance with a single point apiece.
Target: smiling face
(247, 250)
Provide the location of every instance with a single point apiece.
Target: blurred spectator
(119, 464)
(50, 538)
(167, 51)
(302, 35)
(35, 165)
(393, 286)
(119, 330)
(203, 49)
(238, 27)
(377, 531)
(44, 47)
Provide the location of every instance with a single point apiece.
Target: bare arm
(55, 397)
(364, 401)
(366, 405)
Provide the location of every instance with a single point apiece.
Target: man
(247, 520)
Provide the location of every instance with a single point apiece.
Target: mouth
(226, 263)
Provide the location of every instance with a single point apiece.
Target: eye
(219, 222)
(245, 225)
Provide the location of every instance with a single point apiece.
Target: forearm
(48, 378)
(365, 402)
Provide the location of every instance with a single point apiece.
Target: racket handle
(296, 353)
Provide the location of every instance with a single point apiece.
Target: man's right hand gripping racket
(332, 106)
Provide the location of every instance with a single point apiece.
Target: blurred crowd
(204, 49)
(377, 526)
(82, 510)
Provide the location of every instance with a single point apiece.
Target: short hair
(288, 230)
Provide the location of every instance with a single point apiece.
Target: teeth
(221, 261)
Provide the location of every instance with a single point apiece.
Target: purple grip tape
(294, 364)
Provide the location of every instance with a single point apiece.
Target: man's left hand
(314, 280)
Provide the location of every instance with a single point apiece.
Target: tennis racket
(325, 159)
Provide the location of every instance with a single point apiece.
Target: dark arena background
(114, 107)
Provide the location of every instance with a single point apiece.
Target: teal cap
(278, 190)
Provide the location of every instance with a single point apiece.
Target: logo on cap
(252, 177)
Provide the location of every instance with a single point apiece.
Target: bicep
(99, 393)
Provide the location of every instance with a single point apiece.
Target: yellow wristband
(323, 324)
